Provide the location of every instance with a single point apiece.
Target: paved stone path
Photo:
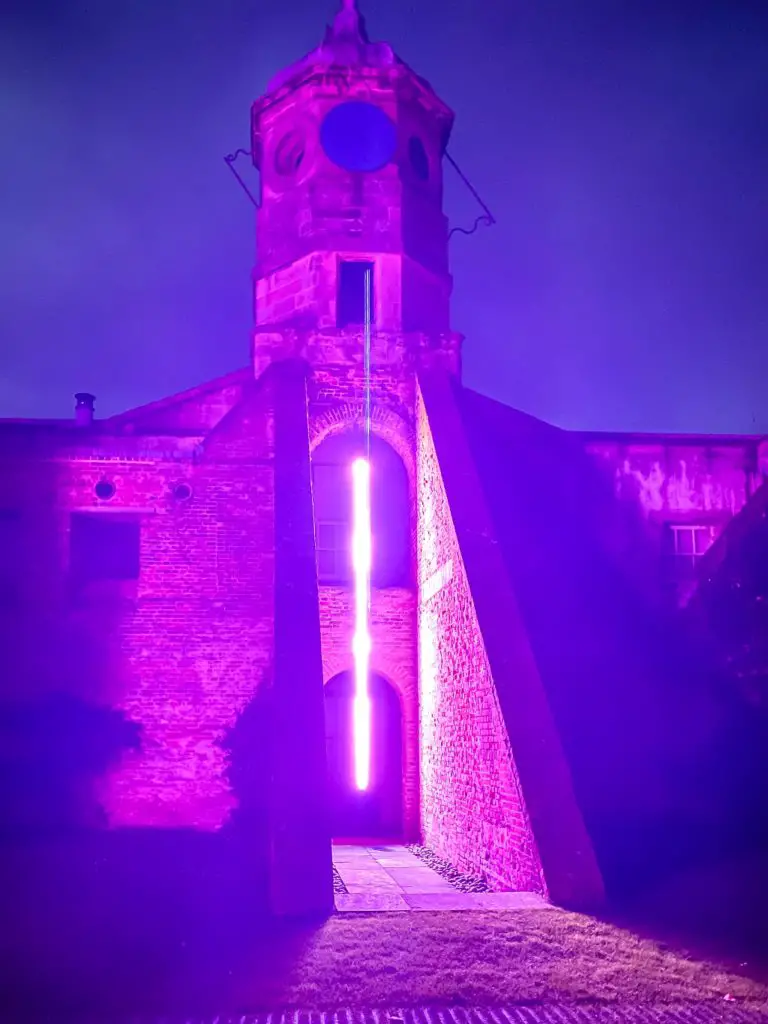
(390, 878)
(683, 1013)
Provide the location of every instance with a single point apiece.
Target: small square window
(333, 564)
(104, 547)
(684, 546)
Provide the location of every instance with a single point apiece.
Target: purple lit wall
(472, 807)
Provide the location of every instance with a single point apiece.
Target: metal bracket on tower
(486, 217)
(230, 161)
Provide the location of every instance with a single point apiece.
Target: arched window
(332, 491)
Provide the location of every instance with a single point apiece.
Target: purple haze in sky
(621, 146)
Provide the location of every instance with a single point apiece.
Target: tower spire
(348, 25)
(346, 44)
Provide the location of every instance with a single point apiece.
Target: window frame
(84, 580)
(343, 321)
(681, 564)
(339, 553)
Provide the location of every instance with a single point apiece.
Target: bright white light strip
(361, 641)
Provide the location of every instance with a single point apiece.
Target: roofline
(19, 421)
(233, 377)
(655, 439)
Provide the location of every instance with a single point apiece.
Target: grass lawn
(475, 958)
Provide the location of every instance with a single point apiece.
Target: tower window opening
(350, 300)
(333, 564)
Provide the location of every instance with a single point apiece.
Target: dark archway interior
(378, 812)
(332, 493)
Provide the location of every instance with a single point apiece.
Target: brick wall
(197, 642)
(305, 291)
(182, 649)
(393, 655)
(497, 795)
(337, 405)
(673, 481)
(473, 810)
(110, 842)
(680, 477)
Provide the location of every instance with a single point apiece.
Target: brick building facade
(184, 565)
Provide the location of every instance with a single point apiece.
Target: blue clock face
(358, 136)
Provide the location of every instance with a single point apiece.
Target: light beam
(361, 641)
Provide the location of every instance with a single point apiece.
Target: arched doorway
(376, 813)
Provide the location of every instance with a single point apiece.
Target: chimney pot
(84, 408)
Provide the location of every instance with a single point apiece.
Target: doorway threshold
(391, 879)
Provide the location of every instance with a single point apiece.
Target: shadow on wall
(99, 919)
(729, 615)
(640, 723)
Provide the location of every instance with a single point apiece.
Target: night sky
(622, 146)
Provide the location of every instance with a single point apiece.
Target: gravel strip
(464, 883)
(338, 882)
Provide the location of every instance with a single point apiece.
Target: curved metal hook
(230, 161)
(486, 217)
(482, 219)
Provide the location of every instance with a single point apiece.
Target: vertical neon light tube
(361, 641)
(361, 566)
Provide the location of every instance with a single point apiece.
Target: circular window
(418, 157)
(182, 492)
(289, 154)
(358, 136)
(105, 490)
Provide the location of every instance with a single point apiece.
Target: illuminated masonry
(189, 566)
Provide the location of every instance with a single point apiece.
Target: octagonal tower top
(346, 46)
(349, 143)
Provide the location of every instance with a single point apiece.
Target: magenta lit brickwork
(551, 711)
(556, 823)
(473, 808)
(336, 408)
(196, 643)
(393, 655)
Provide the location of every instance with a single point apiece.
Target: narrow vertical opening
(350, 300)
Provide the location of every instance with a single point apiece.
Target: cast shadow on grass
(85, 931)
(715, 910)
(120, 920)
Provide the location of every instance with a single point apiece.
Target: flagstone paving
(391, 878)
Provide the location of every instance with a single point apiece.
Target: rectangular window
(354, 276)
(103, 546)
(10, 556)
(684, 545)
(333, 553)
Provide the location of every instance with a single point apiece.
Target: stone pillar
(301, 879)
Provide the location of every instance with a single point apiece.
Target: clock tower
(349, 144)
